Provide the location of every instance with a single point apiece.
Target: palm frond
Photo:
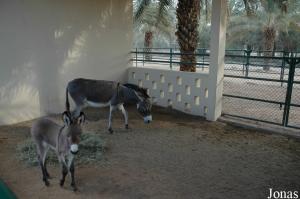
(141, 6)
(163, 7)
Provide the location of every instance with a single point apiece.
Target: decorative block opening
(154, 100)
(205, 110)
(147, 76)
(197, 100)
(162, 79)
(197, 82)
(140, 83)
(206, 92)
(178, 97)
(170, 103)
(148, 91)
(187, 107)
(187, 90)
(133, 75)
(170, 88)
(162, 94)
(154, 85)
(179, 80)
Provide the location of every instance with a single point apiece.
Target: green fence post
(143, 56)
(244, 63)
(248, 53)
(292, 61)
(203, 58)
(284, 54)
(171, 58)
(136, 57)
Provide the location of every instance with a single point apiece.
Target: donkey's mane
(141, 90)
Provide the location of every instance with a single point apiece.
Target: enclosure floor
(176, 156)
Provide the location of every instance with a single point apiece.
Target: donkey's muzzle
(74, 149)
(148, 119)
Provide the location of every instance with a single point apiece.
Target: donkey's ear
(66, 118)
(81, 118)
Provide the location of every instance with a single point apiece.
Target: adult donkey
(63, 140)
(101, 93)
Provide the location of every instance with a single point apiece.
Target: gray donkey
(63, 140)
(101, 93)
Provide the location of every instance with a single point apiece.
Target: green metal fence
(167, 57)
(256, 87)
(266, 89)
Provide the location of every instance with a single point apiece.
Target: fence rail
(245, 63)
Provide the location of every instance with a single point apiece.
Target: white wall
(46, 43)
(184, 91)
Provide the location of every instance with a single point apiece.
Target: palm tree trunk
(248, 8)
(269, 40)
(148, 45)
(188, 13)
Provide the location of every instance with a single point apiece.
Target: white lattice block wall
(183, 91)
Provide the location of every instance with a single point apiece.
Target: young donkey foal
(63, 140)
(101, 93)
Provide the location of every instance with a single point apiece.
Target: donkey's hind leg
(45, 163)
(125, 114)
(42, 153)
(111, 109)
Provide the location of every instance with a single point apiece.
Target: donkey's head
(73, 129)
(144, 105)
(144, 108)
(143, 101)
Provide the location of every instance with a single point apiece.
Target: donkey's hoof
(48, 176)
(74, 188)
(110, 130)
(126, 126)
(61, 183)
(47, 183)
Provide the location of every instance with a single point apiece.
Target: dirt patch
(176, 156)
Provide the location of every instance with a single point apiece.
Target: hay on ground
(91, 146)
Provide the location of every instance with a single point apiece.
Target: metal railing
(256, 87)
(166, 56)
(244, 62)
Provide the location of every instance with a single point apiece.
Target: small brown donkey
(63, 140)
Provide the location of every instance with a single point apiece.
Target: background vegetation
(261, 24)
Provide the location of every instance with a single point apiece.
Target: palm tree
(188, 14)
(270, 19)
(152, 17)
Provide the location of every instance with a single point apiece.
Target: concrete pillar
(217, 54)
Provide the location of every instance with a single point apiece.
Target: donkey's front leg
(44, 171)
(72, 171)
(64, 170)
(111, 109)
(125, 114)
(42, 153)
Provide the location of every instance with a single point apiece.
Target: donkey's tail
(67, 100)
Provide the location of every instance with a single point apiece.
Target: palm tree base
(188, 68)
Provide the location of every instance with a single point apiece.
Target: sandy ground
(176, 156)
